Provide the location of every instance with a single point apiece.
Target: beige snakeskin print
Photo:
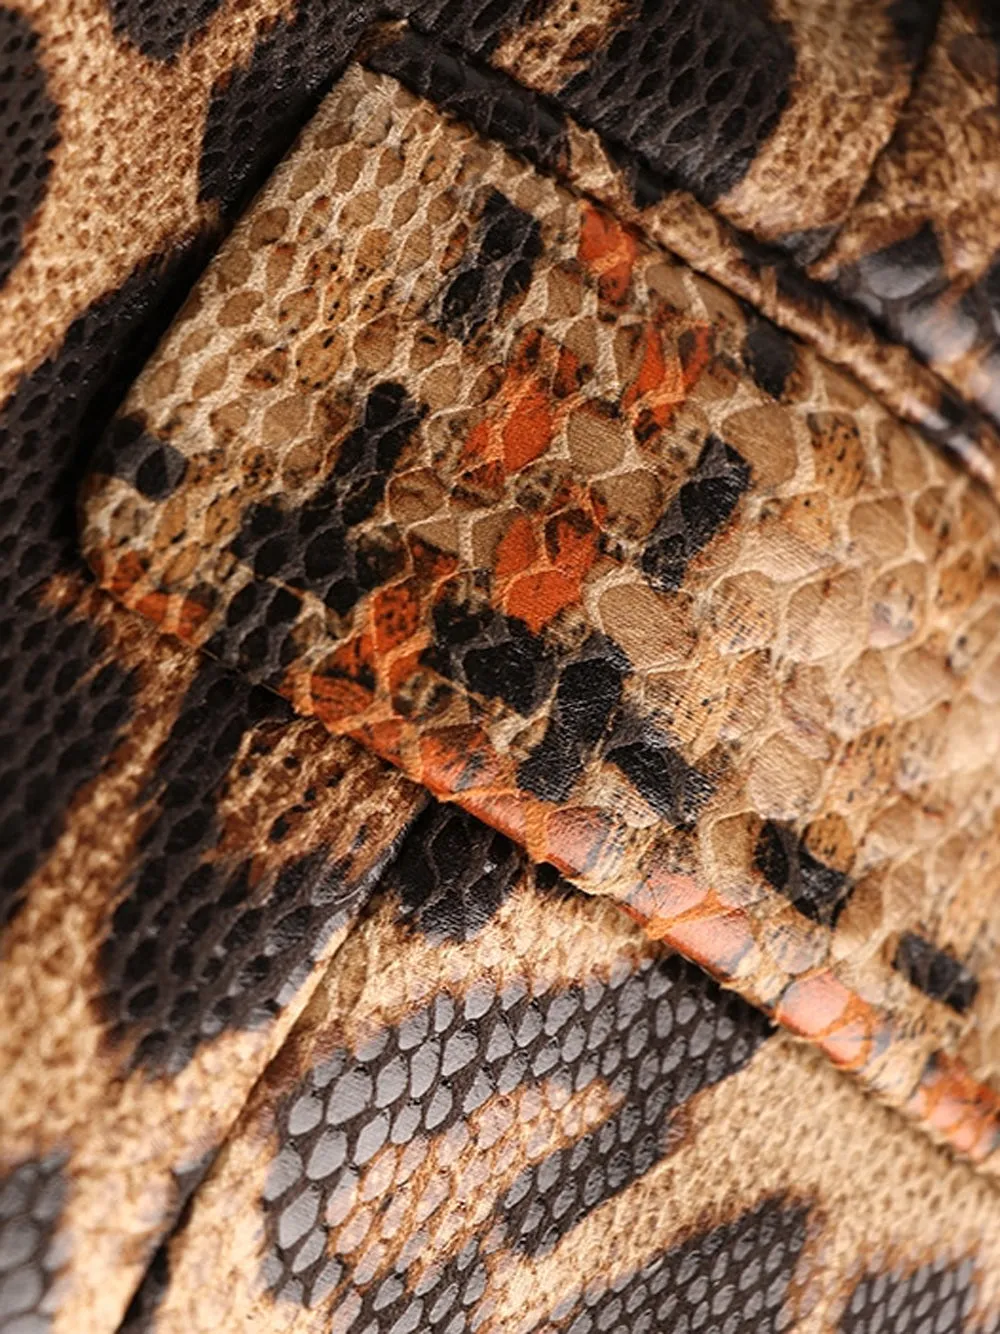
(825, 663)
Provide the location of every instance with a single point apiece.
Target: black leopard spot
(159, 28)
(914, 23)
(935, 972)
(474, 25)
(700, 510)
(257, 109)
(453, 873)
(200, 941)
(153, 466)
(694, 89)
(64, 702)
(500, 108)
(769, 354)
(61, 406)
(28, 134)
(496, 267)
(587, 695)
(818, 891)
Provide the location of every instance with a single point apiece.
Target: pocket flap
(474, 473)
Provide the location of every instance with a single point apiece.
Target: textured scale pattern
(64, 705)
(185, 861)
(160, 30)
(200, 943)
(639, 582)
(768, 275)
(920, 252)
(311, 548)
(695, 90)
(653, 1035)
(722, 100)
(217, 861)
(28, 131)
(64, 698)
(933, 1297)
(31, 1195)
(542, 1128)
(735, 1276)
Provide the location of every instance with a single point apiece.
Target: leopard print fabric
(919, 252)
(542, 1128)
(447, 534)
(271, 1014)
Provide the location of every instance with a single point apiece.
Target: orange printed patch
(666, 375)
(609, 250)
(385, 651)
(127, 573)
(960, 1108)
(384, 738)
(345, 686)
(527, 432)
(395, 614)
(337, 700)
(404, 666)
(180, 615)
(541, 564)
(455, 759)
(823, 1009)
(528, 408)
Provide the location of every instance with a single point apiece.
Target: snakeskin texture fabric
(499, 817)
(490, 588)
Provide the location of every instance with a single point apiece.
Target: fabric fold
(468, 469)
